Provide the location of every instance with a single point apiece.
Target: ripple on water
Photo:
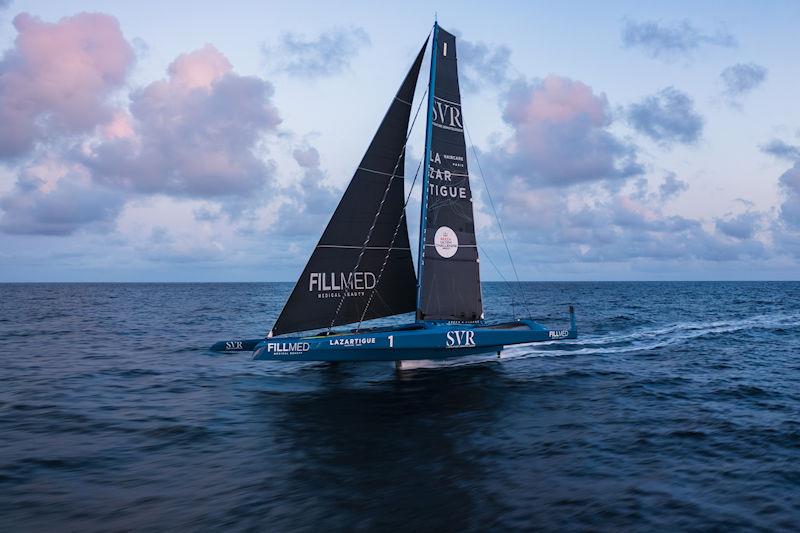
(676, 409)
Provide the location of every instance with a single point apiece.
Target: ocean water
(678, 408)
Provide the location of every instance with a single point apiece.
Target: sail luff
(426, 155)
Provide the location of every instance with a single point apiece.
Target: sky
(182, 141)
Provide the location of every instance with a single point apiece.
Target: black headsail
(450, 286)
(329, 277)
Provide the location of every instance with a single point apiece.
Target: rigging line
(377, 214)
(499, 225)
(389, 250)
(502, 277)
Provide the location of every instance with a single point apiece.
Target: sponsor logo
(447, 192)
(447, 115)
(288, 348)
(361, 341)
(233, 345)
(447, 189)
(560, 334)
(454, 160)
(446, 242)
(330, 284)
(460, 339)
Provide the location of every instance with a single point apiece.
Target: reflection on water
(400, 450)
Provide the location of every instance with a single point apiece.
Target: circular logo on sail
(446, 242)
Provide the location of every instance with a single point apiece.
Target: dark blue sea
(677, 409)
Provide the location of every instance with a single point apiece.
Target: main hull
(411, 342)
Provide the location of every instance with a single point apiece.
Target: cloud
(789, 183)
(482, 65)
(310, 201)
(208, 213)
(163, 247)
(57, 78)
(669, 41)
(742, 78)
(781, 150)
(590, 226)
(307, 158)
(567, 193)
(786, 229)
(193, 134)
(790, 186)
(53, 199)
(4, 4)
(560, 136)
(671, 187)
(330, 53)
(667, 117)
(742, 226)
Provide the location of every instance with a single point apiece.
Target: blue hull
(422, 340)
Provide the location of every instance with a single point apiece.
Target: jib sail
(329, 279)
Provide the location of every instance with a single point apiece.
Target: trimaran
(362, 268)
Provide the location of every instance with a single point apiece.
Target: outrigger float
(362, 269)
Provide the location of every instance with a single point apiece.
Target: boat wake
(646, 340)
(643, 340)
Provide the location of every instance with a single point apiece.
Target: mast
(426, 171)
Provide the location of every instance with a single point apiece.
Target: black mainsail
(331, 291)
(450, 286)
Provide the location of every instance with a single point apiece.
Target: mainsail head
(331, 291)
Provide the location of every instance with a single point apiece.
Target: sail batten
(331, 290)
(449, 269)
